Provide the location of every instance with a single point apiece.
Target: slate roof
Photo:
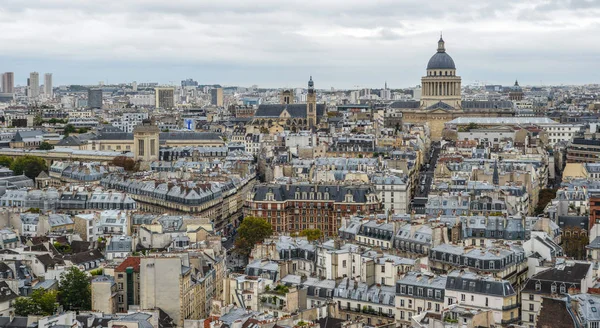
(295, 110)
(440, 105)
(21, 135)
(406, 104)
(70, 141)
(336, 192)
(6, 294)
(474, 283)
(189, 136)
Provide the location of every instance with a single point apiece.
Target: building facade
(293, 208)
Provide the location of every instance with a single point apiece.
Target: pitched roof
(6, 294)
(295, 110)
(132, 261)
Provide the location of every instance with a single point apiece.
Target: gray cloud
(379, 40)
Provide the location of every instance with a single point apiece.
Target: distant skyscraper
(48, 85)
(34, 84)
(8, 82)
(216, 97)
(189, 83)
(165, 97)
(95, 98)
(134, 86)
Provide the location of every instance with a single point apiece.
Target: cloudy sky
(279, 43)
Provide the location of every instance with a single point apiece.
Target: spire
(441, 46)
(311, 84)
(516, 83)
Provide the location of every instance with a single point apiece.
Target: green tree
(29, 165)
(39, 303)
(38, 120)
(45, 146)
(6, 161)
(252, 231)
(69, 128)
(74, 292)
(311, 234)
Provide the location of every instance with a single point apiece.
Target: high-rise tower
(48, 85)
(34, 84)
(8, 82)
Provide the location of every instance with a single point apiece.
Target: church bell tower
(311, 104)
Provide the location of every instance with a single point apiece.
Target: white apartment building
(565, 278)
(483, 292)
(561, 132)
(130, 120)
(417, 292)
(393, 191)
(142, 100)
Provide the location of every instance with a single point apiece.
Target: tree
(29, 165)
(252, 231)
(125, 162)
(39, 303)
(45, 146)
(69, 128)
(74, 291)
(311, 234)
(38, 120)
(6, 161)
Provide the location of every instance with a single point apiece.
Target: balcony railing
(511, 321)
(510, 307)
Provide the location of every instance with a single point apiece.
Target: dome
(441, 60)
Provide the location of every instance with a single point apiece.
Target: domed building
(441, 85)
(515, 93)
(441, 99)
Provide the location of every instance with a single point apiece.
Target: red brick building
(295, 207)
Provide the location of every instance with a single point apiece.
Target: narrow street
(425, 180)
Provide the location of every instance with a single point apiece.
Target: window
(383, 268)
(472, 298)
(462, 297)
(437, 307)
(531, 307)
(538, 286)
(438, 294)
(410, 290)
(531, 297)
(531, 318)
(343, 263)
(553, 288)
(402, 289)
(141, 147)
(562, 289)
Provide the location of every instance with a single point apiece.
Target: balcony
(510, 307)
(367, 311)
(511, 321)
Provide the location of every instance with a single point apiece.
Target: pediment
(285, 114)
